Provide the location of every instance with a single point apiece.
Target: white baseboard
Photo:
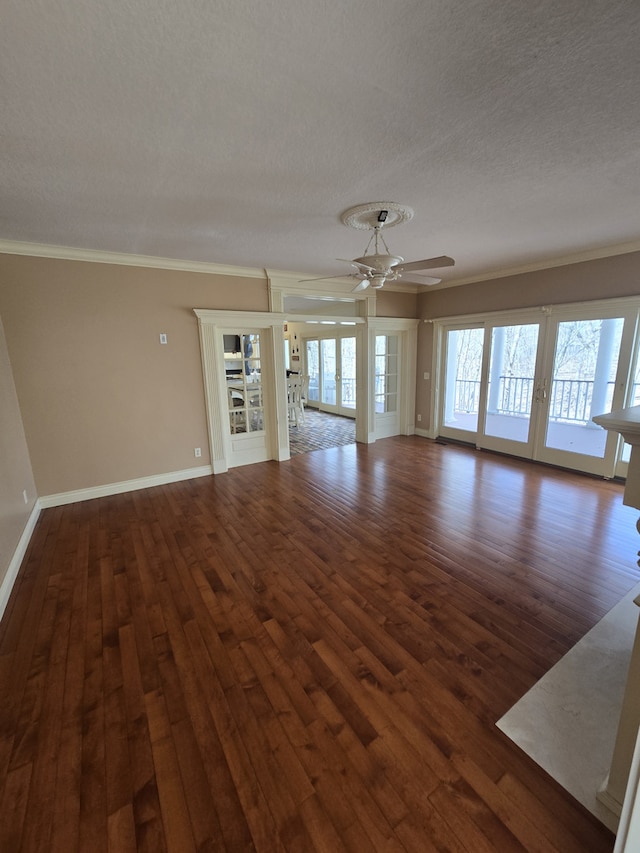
(607, 799)
(424, 433)
(125, 486)
(18, 555)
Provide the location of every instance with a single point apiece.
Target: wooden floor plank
(308, 656)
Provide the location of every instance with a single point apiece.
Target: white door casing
(273, 442)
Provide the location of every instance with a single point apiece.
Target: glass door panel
(462, 381)
(588, 374)
(582, 384)
(387, 385)
(313, 371)
(386, 374)
(328, 376)
(348, 373)
(510, 386)
(244, 386)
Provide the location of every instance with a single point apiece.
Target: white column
(497, 365)
(603, 367)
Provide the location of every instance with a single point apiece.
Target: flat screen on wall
(232, 343)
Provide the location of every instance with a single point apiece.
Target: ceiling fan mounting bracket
(364, 217)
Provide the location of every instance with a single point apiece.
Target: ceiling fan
(373, 270)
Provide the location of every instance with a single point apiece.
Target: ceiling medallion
(364, 217)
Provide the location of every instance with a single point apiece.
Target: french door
(331, 366)
(387, 385)
(529, 386)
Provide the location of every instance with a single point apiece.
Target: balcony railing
(570, 398)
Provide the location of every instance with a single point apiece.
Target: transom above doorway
(322, 299)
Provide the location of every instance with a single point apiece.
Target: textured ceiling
(237, 132)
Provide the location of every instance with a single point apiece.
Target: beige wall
(395, 303)
(101, 400)
(15, 467)
(604, 278)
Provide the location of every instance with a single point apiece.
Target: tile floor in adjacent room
(567, 722)
(321, 430)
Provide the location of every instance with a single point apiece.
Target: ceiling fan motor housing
(380, 263)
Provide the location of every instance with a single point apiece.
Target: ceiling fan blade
(362, 285)
(428, 264)
(416, 278)
(355, 264)
(325, 277)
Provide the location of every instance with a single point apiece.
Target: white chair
(304, 380)
(237, 411)
(295, 401)
(255, 406)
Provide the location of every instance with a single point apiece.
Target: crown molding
(67, 253)
(562, 261)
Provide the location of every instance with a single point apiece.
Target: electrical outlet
(419, 418)
(426, 376)
(163, 337)
(198, 451)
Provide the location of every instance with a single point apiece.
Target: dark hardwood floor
(304, 656)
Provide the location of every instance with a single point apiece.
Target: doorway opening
(326, 363)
